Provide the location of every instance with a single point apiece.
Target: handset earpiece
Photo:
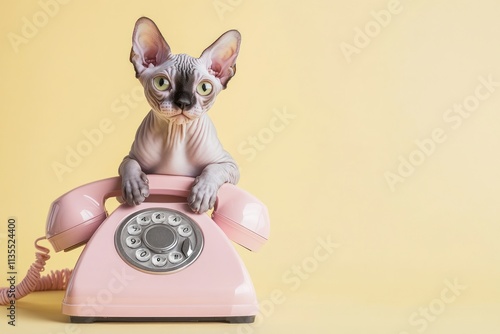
(74, 216)
(243, 217)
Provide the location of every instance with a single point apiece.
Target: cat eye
(161, 83)
(204, 88)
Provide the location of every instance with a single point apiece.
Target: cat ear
(148, 46)
(220, 57)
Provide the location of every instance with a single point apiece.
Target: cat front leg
(206, 185)
(135, 184)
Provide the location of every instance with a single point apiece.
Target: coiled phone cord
(56, 280)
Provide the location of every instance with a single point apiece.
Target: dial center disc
(160, 238)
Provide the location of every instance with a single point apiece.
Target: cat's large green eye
(204, 88)
(161, 83)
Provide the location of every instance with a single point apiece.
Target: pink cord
(57, 280)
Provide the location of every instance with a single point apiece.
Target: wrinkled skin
(177, 137)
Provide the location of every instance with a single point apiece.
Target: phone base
(231, 320)
(215, 287)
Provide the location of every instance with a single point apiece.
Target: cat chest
(178, 157)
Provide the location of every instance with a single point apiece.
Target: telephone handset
(157, 260)
(74, 217)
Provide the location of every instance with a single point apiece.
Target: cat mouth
(179, 116)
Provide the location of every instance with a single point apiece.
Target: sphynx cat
(177, 137)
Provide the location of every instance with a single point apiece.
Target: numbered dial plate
(159, 240)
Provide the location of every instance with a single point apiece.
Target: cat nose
(183, 101)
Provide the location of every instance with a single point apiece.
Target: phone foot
(231, 320)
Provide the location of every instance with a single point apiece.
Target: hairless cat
(177, 137)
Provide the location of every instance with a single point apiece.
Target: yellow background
(322, 175)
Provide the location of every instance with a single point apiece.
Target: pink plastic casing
(74, 217)
(217, 284)
(242, 217)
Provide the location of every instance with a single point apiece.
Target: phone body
(158, 261)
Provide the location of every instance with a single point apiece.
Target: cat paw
(135, 188)
(203, 195)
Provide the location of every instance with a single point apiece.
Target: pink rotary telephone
(158, 261)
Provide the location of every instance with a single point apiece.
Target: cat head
(181, 88)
